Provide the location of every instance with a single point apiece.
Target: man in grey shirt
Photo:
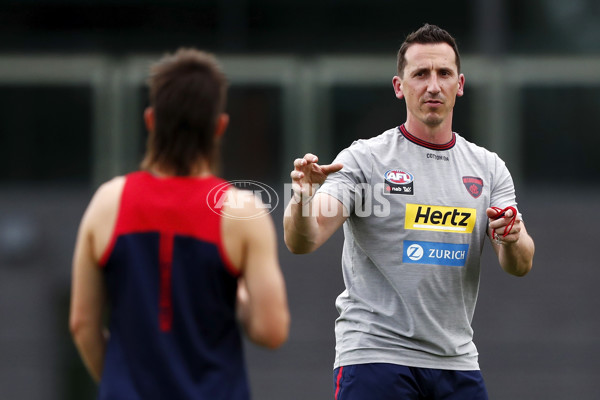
(416, 203)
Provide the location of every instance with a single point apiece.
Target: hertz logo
(439, 218)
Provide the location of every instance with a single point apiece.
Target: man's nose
(433, 86)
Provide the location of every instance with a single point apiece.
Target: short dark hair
(427, 34)
(188, 91)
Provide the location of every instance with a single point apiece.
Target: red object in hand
(501, 212)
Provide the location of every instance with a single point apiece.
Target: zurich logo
(414, 252)
(435, 253)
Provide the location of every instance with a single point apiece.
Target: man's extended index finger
(328, 169)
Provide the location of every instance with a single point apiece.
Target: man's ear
(222, 123)
(461, 85)
(149, 119)
(397, 82)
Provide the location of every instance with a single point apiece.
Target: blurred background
(305, 76)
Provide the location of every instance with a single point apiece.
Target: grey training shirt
(413, 242)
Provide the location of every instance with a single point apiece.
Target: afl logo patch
(397, 181)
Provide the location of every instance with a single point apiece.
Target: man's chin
(433, 121)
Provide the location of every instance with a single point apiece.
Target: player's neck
(438, 134)
(199, 170)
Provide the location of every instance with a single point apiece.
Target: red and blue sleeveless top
(172, 295)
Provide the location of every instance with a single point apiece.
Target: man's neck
(439, 134)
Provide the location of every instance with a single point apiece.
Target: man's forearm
(517, 258)
(300, 227)
(91, 344)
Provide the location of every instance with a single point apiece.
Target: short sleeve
(343, 184)
(503, 188)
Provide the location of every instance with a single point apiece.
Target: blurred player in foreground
(173, 269)
(416, 203)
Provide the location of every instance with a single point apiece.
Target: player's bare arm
(250, 242)
(306, 226)
(511, 242)
(88, 291)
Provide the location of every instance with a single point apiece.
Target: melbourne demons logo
(397, 181)
(473, 185)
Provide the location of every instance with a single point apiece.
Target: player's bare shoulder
(106, 199)
(244, 221)
(242, 205)
(101, 215)
(112, 187)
